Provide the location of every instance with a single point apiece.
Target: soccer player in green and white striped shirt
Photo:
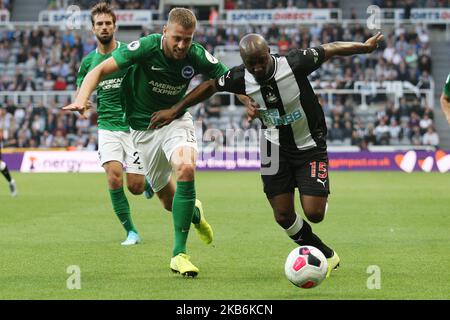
(116, 146)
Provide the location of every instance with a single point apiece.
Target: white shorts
(158, 145)
(118, 146)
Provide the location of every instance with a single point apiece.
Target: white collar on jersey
(117, 46)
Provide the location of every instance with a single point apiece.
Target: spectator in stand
(416, 137)
(229, 5)
(430, 137)
(394, 132)
(4, 53)
(369, 136)
(336, 133)
(382, 133)
(414, 120)
(283, 45)
(48, 83)
(424, 63)
(4, 83)
(425, 123)
(28, 85)
(405, 132)
(60, 84)
(424, 80)
(347, 132)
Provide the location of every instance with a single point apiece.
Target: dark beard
(105, 40)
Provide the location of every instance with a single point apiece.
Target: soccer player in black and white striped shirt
(293, 123)
(5, 171)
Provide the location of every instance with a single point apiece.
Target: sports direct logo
(408, 161)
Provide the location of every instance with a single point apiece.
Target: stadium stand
(116, 4)
(47, 59)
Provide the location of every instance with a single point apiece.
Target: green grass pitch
(398, 222)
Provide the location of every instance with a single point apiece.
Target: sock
(5, 172)
(196, 216)
(302, 234)
(122, 209)
(147, 185)
(182, 211)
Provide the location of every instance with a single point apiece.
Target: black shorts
(305, 170)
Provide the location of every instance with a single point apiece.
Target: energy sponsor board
(88, 161)
(61, 161)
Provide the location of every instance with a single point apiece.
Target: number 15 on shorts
(319, 169)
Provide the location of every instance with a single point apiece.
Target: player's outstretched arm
(90, 82)
(200, 93)
(445, 106)
(83, 111)
(349, 48)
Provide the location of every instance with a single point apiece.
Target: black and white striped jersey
(290, 111)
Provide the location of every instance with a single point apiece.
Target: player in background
(115, 143)
(293, 123)
(162, 65)
(5, 171)
(445, 99)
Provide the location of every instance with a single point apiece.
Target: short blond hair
(182, 16)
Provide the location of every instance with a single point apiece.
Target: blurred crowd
(47, 59)
(5, 5)
(281, 4)
(409, 4)
(409, 123)
(228, 4)
(115, 4)
(252, 4)
(46, 126)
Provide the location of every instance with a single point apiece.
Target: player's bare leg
(284, 209)
(136, 183)
(166, 195)
(114, 173)
(314, 207)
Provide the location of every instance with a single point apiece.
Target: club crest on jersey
(187, 72)
(270, 97)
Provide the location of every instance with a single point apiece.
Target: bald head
(255, 54)
(252, 44)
